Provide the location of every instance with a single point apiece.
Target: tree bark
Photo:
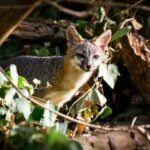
(136, 54)
(12, 12)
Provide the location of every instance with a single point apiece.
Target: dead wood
(136, 54)
(50, 30)
(12, 12)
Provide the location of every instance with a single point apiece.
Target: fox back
(68, 73)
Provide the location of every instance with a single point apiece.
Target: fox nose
(88, 67)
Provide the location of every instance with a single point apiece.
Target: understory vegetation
(28, 122)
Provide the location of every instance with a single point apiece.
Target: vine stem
(80, 98)
(56, 112)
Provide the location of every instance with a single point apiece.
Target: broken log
(136, 54)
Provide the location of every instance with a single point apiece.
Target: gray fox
(68, 73)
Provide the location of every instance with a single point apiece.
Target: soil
(125, 137)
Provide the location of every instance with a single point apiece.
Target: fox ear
(103, 40)
(73, 36)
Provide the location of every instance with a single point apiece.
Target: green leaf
(9, 99)
(23, 83)
(2, 111)
(3, 122)
(82, 23)
(36, 113)
(24, 107)
(105, 111)
(2, 79)
(3, 91)
(16, 102)
(49, 118)
(120, 33)
(61, 127)
(97, 97)
(14, 74)
(148, 21)
(54, 137)
(109, 73)
(43, 51)
(74, 145)
(47, 44)
(101, 14)
(110, 22)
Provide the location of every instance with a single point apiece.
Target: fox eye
(96, 56)
(80, 55)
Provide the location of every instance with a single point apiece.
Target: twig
(133, 122)
(117, 4)
(78, 1)
(143, 132)
(146, 126)
(14, 7)
(126, 21)
(101, 3)
(111, 3)
(81, 14)
(58, 113)
(136, 4)
(80, 98)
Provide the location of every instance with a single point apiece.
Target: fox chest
(75, 82)
(68, 89)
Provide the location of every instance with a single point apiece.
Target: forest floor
(129, 132)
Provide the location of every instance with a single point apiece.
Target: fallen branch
(81, 14)
(111, 3)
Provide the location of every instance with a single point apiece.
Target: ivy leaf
(49, 117)
(16, 102)
(54, 136)
(37, 113)
(14, 74)
(9, 99)
(94, 96)
(2, 111)
(109, 73)
(105, 111)
(62, 127)
(101, 14)
(23, 83)
(74, 145)
(97, 97)
(2, 79)
(120, 33)
(23, 105)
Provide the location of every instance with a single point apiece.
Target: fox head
(85, 54)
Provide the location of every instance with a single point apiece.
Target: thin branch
(78, 1)
(15, 6)
(100, 3)
(126, 21)
(81, 14)
(143, 131)
(80, 98)
(111, 3)
(117, 4)
(58, 113)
